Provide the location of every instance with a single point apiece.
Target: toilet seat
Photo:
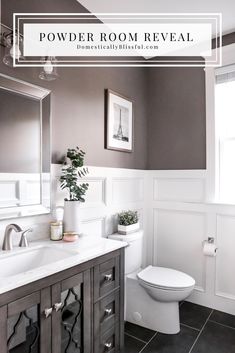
(165, 278)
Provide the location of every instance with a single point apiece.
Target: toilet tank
(133, 252)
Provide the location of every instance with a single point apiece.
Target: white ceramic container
(128, 229)
(72, 217)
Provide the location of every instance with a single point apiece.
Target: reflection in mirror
(24, 149)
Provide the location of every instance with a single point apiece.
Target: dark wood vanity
(78, 310)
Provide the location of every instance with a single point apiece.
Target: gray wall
(169, 106)
(78, 98)
(78, 111)
(176, 118)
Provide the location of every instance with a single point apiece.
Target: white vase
(72, 216)
(128, 229)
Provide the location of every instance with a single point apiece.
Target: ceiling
(226, 7)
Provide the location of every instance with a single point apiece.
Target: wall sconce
(49, 70)
(10, 48)
(13, 44)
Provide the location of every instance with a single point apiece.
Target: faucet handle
(23, 240)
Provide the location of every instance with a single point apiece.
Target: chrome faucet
(7, 242)
(23, 240)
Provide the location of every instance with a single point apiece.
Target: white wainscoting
(174, 214)
(225, 261)
(179, 238)
(180, 219)
(110, 190)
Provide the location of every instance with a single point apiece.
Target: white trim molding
(212, 183)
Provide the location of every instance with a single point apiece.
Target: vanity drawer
(106, 277)
(106, 312)
(109, 342)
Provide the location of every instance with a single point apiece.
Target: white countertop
(84, 249)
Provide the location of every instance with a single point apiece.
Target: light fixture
(13, 44)
(49, 70)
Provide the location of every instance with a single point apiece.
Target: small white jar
(56, 231)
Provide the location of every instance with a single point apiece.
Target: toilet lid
(165, 278)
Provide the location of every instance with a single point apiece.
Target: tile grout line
(193, 328)
(218, 323)
(200, 332)
(148, 342)
(136, 338)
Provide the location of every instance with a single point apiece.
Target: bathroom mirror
(24, 149)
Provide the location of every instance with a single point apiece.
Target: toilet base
(142, 310)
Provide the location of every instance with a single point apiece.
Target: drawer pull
(108, 277)
(108, 312)
(48, 312)
(108, 345)
(57, 306)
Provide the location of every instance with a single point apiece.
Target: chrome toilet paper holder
(210, 240)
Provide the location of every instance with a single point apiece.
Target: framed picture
(119, 122)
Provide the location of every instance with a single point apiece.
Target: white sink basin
(21, 261)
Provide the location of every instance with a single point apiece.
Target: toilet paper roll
(209, 249)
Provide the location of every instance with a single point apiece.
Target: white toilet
(153, 293)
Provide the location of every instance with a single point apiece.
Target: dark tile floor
(203, 330)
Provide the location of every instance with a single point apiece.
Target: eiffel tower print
(120, 133)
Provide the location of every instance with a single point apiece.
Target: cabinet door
(24, 325)
(71, 318)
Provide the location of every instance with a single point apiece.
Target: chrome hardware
(24, 241)
(108, 312)
(108, 345)
(108, 277)
(48, 312)
(211, 240)
(57, 306)
(7, 242)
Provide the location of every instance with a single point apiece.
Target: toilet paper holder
(209, 247)
(210, 240)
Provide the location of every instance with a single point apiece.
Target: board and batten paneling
(174, 214)
(94, 227)
(128, 190)
(111, 190)
(184, 190)
(181, 219)
(179, 237)
(225, 260)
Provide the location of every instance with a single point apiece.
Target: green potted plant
(128, 222)
(72, 171)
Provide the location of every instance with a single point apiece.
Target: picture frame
(118, 122)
